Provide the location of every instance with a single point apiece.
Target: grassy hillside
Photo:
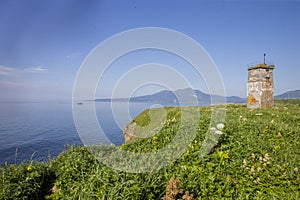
(256, 157)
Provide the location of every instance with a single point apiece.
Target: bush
(31, 180)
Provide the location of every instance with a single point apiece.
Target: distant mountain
(185, 96)
(295, 94)
(189, 96)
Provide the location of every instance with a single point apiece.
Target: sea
(42, 130)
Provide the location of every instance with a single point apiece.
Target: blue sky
(43, 43)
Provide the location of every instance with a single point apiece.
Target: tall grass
(256, 157)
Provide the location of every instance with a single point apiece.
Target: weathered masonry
(260, 86)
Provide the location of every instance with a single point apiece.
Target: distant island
(189, 95)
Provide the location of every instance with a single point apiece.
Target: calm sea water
(43, 130)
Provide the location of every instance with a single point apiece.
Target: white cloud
(5, 71)
(9, 71)
(35, 69)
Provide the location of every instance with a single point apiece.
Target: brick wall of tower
(260, 88)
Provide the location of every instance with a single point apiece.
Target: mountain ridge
(189, 95)
(292, 94)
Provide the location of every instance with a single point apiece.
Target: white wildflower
(258, 180)
(259, 169)
(213, 129)
(244, 163)
(220, 126)
(296, 169)
(218, 132)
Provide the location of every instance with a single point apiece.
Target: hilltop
(257, 156)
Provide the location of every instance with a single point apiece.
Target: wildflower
(267, 157)
(154, 138)
(252, 169)
(55, 189)
(218, 132)
(272, 121)
(258, 169)
(284, 175)
(279, 135)
(29, 169)
(258, 114)
(213, 129)
(258, 180)
(122, 146)
(183, 167)
(220, 126)
(244, 163)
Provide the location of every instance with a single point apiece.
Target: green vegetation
(288, 101)
(256, 157)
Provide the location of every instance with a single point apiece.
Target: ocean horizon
(42, 130)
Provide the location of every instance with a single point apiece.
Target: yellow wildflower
(122, 146)
(29, 169)
(154, 138)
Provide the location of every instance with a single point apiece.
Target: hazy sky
(43, 43)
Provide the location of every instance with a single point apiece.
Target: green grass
(256, 157)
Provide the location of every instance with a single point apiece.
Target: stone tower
(260, 86)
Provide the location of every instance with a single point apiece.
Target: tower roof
(261, 66)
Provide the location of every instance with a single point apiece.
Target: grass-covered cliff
(257, 157)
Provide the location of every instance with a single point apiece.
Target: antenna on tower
(264, 58)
